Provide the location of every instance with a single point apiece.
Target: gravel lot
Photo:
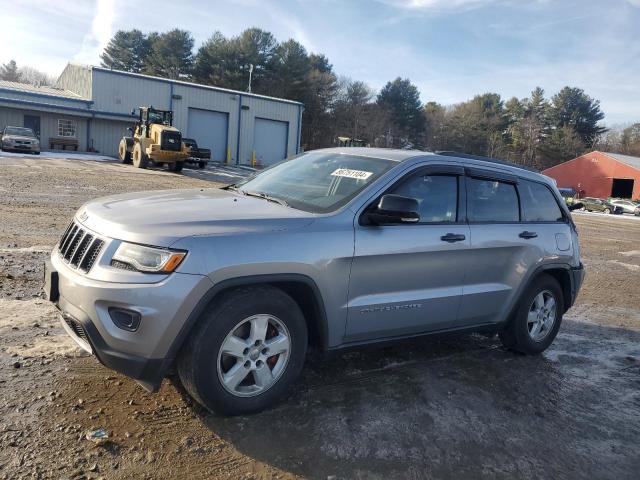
(450, 407)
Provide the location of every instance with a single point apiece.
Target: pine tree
(171, 55)
(9, 72)
(127, 51)
(401, 100)
(571, 107)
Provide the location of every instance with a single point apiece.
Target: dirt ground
(449, 407)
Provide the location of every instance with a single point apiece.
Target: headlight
(148, 259)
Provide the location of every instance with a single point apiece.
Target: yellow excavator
(154, 139)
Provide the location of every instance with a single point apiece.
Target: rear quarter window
(538, 203)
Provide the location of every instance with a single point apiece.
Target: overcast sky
(451, 49)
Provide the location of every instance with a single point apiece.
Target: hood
(162, 217)
(20, 137)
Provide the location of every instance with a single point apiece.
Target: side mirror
(395, 209)
(575, 206)
(133, 112)
(130, 129)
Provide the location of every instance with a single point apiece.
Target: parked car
(331, 249)
(591, 204)
(199, 156)
(627, 206)
(19, 139)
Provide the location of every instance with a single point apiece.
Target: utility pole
(250, 72)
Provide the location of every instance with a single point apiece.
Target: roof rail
(449, 153)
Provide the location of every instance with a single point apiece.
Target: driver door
(408, 278)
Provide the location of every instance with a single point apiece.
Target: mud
(456, 406)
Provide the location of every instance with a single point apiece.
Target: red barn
(599, 174)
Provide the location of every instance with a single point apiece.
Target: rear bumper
(576, 275)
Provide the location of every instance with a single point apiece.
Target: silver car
(19, 139)
(627, 206)
(331, 249)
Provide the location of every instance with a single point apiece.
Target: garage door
(210, 129)
(270, 141)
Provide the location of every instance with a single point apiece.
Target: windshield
(160, 117)
(24, 132)
(317, 182)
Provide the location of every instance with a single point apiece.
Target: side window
(491, 201)
(538, 203)
(436, 194)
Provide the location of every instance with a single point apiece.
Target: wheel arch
(560, 271)
(301, 288)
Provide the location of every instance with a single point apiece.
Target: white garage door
(270, 141)
(210, 130)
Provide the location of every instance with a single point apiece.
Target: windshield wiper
(265, 196)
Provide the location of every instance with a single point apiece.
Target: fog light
(125, 319)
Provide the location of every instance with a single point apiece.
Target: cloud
(635, 3)
(96, 39)
(440, 4)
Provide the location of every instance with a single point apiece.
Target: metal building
(93, 106)
(599, 174)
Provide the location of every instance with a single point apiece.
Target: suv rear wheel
(537, 319)
(245, 352)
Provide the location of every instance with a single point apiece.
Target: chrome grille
(79, 248)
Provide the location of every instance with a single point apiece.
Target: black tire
(202, 164)
(515, 335)
(123, 153)
(139, 158)
(198, 360)
(175, 166)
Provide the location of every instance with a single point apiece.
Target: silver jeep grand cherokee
(334, 248)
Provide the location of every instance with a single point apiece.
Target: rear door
(408, 278)
(502, 251)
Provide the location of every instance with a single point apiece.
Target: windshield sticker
(348, 173)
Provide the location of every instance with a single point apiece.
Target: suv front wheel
(245, 352)
(537, 319)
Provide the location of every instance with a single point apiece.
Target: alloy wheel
(254, 355)
(542, 315)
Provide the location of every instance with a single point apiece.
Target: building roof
(43, 90)
(190, 84)
(626, 159)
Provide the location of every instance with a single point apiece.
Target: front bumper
(10, 147)
(144, 354)
(576, 275)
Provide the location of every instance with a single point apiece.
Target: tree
(127, 51)
(352, 101)
(171, 55)
(226, 62)
(630, 140)
(401, 100)
(9, 72)
(435, 126)
(563, 144)
(34, 76)
(573, 108)
(478, 126)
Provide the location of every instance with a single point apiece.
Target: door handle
(528, 235)
(452, 237)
